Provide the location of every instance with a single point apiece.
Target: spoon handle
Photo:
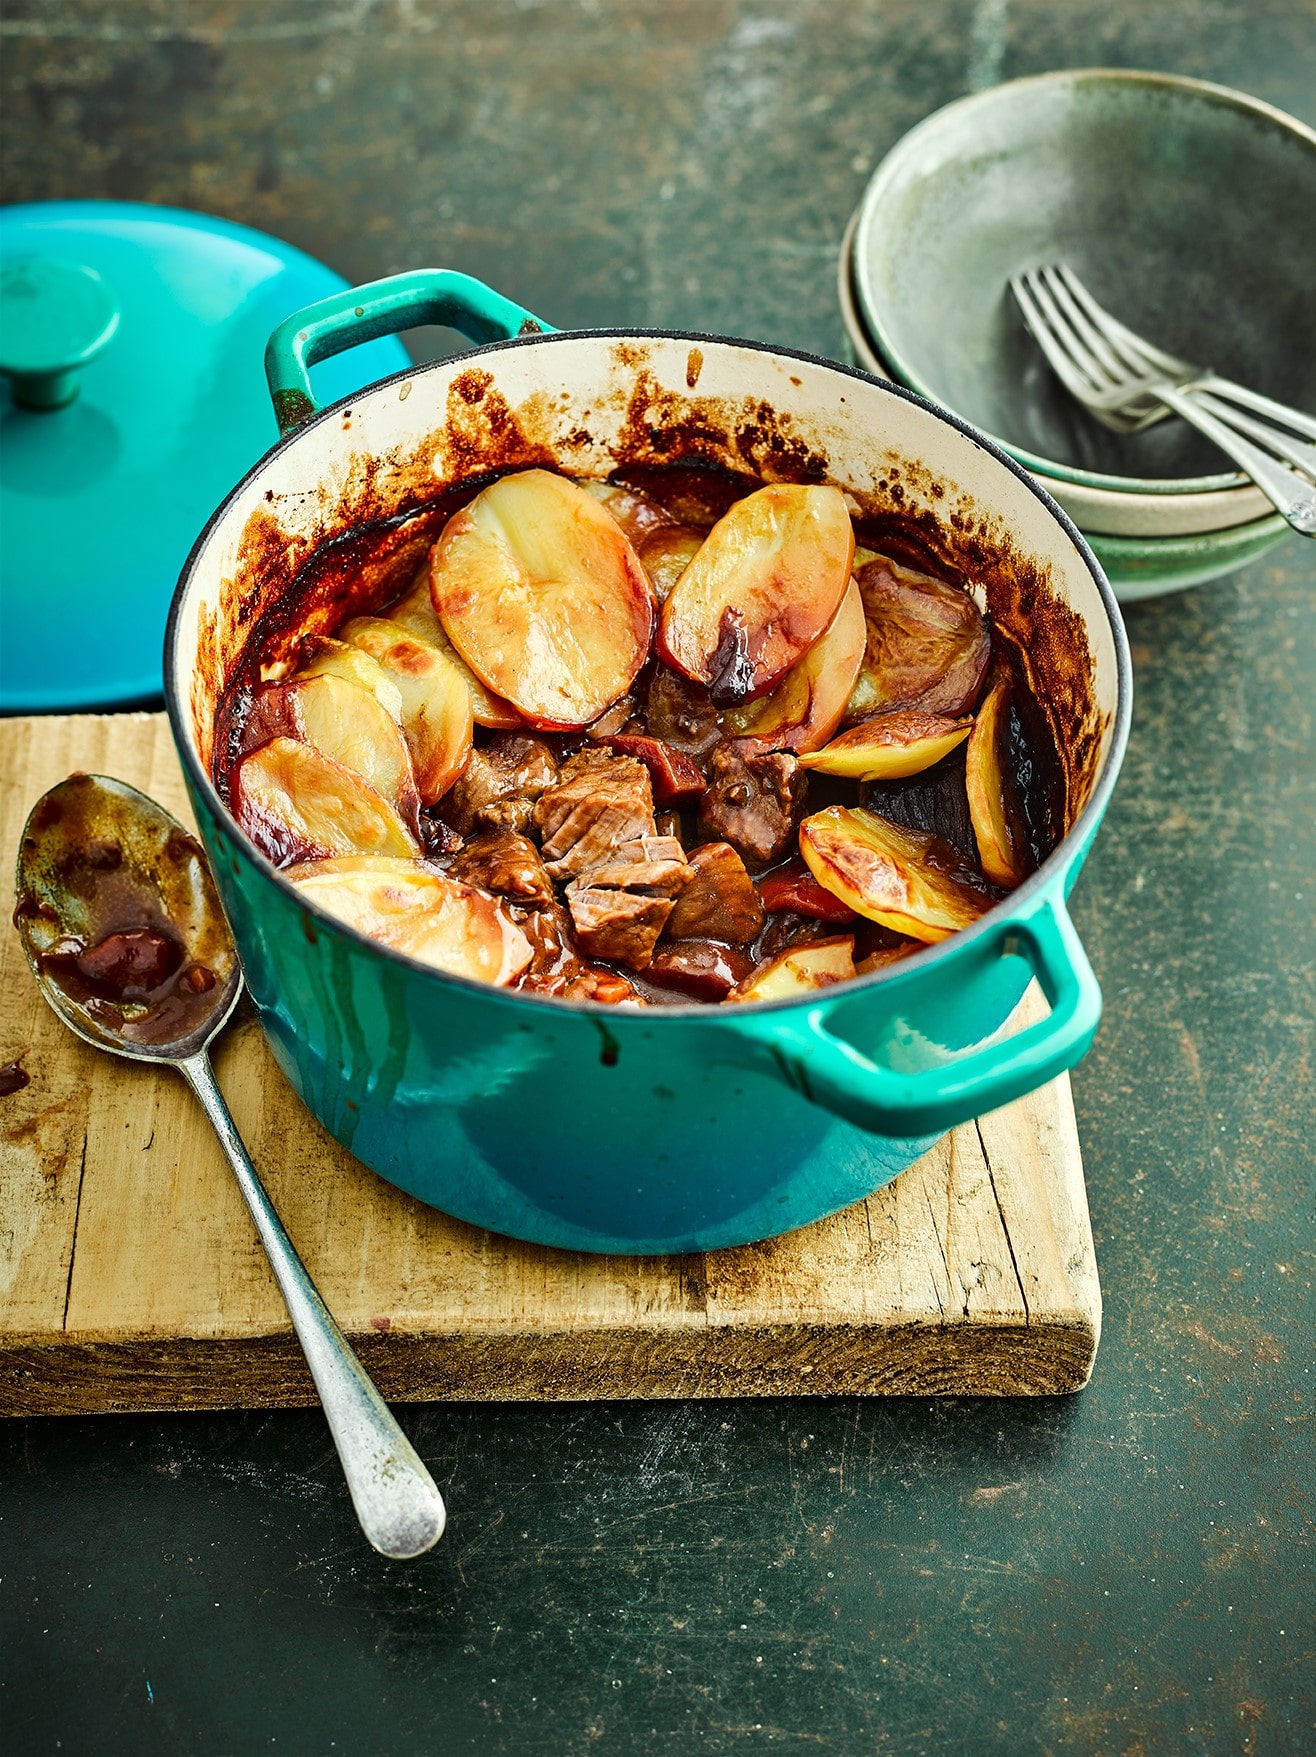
(400, 1508)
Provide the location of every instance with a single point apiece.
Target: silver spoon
(122, 926)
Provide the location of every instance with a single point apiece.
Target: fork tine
(1099, 372)
(1054, 346)
(1117, 365)
(1115, 330)
(1057, 357)
(1139, 409)
(1193, 378)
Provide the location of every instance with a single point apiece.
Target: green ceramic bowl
(1136, 565)
(1176, 201)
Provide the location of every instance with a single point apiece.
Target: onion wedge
(903, 879)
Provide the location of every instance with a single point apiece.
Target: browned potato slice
(436, 704)
(817, 964)
(543, 596)
(347, 724)
(889, 747)
(666, 553)
(421, 912)
(416, 612)
(297, 804)
(928, 644)
(903, 879)
(997, 826)
(325, 657)
(766, 582)
(805, 708)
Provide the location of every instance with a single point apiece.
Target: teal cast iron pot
(581, 1125)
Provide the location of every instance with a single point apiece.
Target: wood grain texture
(131, 1278)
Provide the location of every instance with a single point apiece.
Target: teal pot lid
(133, 397)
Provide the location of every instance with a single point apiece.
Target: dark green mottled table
(1125, 1572)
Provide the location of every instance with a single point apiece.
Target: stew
(667, 737)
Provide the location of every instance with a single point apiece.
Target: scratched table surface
(1127, 1571)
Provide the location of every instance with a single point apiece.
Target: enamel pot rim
(1019, 904)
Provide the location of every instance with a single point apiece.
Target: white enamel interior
(568, 384)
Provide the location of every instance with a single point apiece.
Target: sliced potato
(928, 644)
(541, 593)
(806, 707)
(416, 612)
(436, 704)
(297, 804)
(762, 588)
(634, 512)
(903, 879)
(421, 912)
(890, 746)
(793, 973)
(325, 657)
(347, 724)
(666, 553)
(997, 825)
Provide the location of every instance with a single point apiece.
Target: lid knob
(55, 317)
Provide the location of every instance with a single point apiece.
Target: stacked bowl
(1178, 205)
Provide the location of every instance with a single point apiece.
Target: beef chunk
(437, 837)
(753, 801)
(720, 901)
(600, 801)
(507, 864)
(651, 863)
(702, 969)
(789, 929)
(500, 783)
(272, 714)
(619, 908)
(681, 713)
(556, 968)
(620, 925)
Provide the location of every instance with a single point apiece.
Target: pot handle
(834, 1074)
(381, 308)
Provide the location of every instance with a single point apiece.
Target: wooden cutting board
(131, 1277)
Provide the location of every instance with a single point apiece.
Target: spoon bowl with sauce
(121, 923)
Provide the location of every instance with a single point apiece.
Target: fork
(1128, 384)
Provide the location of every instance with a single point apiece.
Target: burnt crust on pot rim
(364, 547)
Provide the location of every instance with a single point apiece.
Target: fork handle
(1251, 399)
(1286, 446)
(1291, 494)
(396, 1499)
